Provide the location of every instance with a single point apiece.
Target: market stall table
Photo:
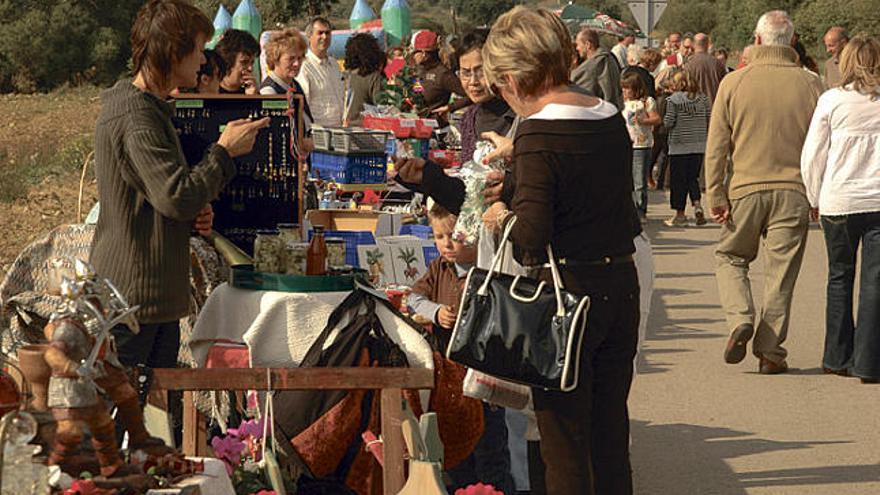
(389, 381)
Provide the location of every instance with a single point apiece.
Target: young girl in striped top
(687, 120)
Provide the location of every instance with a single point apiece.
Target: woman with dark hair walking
(364, 62)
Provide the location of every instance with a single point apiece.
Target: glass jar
(289, 232)
(335, 253)
(295, 256)
(267, 252)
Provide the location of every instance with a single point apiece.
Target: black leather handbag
(518, 328)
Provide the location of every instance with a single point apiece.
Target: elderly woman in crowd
(840, 164)
(364, 62)
(571, 188)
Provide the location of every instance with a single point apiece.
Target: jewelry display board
(267, 188)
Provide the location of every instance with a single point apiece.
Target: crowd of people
(581, 129)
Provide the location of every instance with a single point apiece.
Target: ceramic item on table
(10, 397)
(36, 372)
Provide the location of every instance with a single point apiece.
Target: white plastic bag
(487, 388)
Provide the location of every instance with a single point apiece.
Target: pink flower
(478, 489)
(250, 428)
(228, 449)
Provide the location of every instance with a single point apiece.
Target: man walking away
(760, 118)
(599, 73)
(705, 70)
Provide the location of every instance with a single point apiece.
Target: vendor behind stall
(438, 81)
(151, 199)
(489, 113)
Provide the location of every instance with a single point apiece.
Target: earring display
(263, 192)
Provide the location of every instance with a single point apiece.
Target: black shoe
(735, 351)
(870, 381)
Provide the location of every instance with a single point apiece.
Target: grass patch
(17, 179)
(44, 136)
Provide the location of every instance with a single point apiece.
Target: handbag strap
(499, 256)
(557, 281)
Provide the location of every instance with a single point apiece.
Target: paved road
(702, 427)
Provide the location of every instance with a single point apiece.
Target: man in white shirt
(320, 77)
(620, 49)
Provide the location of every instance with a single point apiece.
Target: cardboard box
(381, 224)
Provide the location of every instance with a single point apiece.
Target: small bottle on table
(316, 258)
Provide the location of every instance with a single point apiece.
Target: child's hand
(446, 316)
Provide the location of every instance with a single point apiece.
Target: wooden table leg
(392, 415)
(190, 424)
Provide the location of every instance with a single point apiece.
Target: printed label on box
(189, 103)
(274, 104)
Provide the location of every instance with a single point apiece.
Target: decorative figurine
(82, 356)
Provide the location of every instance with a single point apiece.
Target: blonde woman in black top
(571, 188)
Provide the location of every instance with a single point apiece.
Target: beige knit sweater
(760, 119)
(149, 198)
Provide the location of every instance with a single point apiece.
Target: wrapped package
(474, 175)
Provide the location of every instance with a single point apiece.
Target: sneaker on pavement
(676, 221)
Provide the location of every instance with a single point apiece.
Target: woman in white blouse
(840, 165)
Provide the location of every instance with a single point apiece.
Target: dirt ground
(44, 140)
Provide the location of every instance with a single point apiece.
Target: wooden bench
(389, 382)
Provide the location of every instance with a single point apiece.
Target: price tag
(274, 104)
(430, 122)
(189, 103)
(407, 122)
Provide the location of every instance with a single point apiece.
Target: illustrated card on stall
(409, 262)
(377, 261)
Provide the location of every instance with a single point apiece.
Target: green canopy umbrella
(577, 12)
(577, 17)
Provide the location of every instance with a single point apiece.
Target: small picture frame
(409, 262)
(377, 260)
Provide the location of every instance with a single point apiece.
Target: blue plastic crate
(353, 239)
(350, 169)
(431, 253)
(420, 231)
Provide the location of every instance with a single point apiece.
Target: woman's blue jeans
(853, 343)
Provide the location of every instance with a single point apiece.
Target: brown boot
(767, 367)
